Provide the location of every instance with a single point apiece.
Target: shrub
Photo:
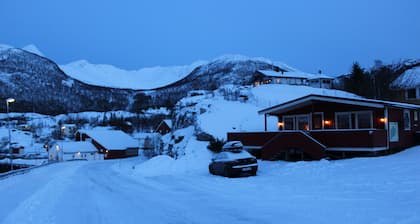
(216, 145)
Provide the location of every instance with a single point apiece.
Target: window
(343, 120)
(407, 122)
(411, 94)
(364, 119)
(289, 122)
(355, 120)
(416, 115)
(296, 122)
(317, 120)
(302, 122)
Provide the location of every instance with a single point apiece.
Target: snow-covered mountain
(146, 78)
(39, 85)
(111, 76)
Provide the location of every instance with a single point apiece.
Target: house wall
(329, 110)
(351, 138)
(405, 137)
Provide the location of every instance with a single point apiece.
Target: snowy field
(162, 190)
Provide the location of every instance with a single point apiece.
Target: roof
(168, 122)
(111, 139)
(74, 147)
(294, 74)
(306, 100)
(408, 80)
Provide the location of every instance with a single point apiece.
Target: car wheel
(226, 172)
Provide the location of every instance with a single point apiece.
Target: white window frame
(307, 118)
(409, 120)
(295, 123)
(322, 120)
(356, 122)
(284, 123)
(336, 120)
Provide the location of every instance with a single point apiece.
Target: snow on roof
(334, 99)
(409, 79)
(168, 122)
(294, 74)
(74, 147)
(285, 74)
(111, 139)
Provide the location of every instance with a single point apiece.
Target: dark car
(233, 161)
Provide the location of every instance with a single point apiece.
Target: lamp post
(9, 101)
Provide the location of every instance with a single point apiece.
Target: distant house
(316, 126)
(321, 81)
(82, 150)
(293, 78)
(408, 86)
(164, 127)
(112, 143)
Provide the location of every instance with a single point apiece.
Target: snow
(409, 79)
(168, 122)
(111, 139)
(111, 76)
(362, 190)
(33, 49)
(74, 147)
(222, 116)
(4, 47)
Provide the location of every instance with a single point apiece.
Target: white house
(70, 150)
(294, 78)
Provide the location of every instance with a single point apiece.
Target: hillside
(39, 85)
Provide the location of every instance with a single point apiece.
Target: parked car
(233, 161)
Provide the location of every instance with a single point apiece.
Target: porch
(310, 145)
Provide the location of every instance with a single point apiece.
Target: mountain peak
(33, 49)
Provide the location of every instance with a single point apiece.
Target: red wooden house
(112, 143)
(316, 126)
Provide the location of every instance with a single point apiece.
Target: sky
(326, 35)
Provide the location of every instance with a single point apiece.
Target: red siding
(351, 138)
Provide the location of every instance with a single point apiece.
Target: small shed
(164, 127)
(112, 143)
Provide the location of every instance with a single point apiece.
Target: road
(374, 190)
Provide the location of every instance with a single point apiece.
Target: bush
(216, 145)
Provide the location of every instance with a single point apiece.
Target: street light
(9, 101)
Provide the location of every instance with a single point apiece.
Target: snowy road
(367, 190)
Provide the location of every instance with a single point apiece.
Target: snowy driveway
(367, 190)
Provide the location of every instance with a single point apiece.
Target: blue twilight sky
(309, 35)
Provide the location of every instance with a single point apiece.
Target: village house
(112, 143)
(316, 126)
(164, 127)
(293, 78)
(70, 150)
(408, 86)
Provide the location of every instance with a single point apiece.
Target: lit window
(288, 123)
(302, 122)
